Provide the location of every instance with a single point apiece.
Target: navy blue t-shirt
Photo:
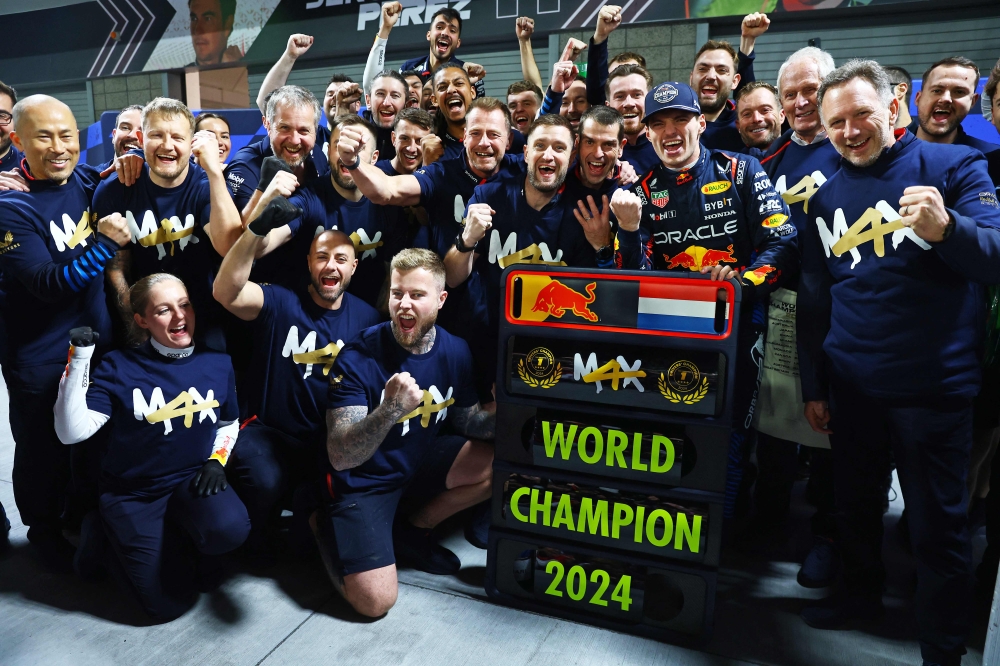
(642, 156)
(52, 266)
(295, 345)
(361, 371)
(243, 170)
(11, 160)
(798, 172)
(721, 133)
(168, 235)
(164, 412)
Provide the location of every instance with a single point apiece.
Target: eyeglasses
(5, 118)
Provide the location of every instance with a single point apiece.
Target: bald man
(297, 335)
(52, 258)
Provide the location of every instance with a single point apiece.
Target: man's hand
(574, 47)
(478, 222)
(431, 148)
(563, 75)
(205, 148)
(609, 18)
(350, 144)
(627, 208)
(83, 336)
(402, 388)
(269, 168)
(115, 227)
(13, 180)
(283, 185)
(128, 167)
(298, 44)
(347, 94)
(524, 28)
(754, 25)
(818, 414)
(718, 273)
(595, 222)
(922, 210)
(277, 213)
(626, 173)
(391, 12)
(476, 72)
(211, 479)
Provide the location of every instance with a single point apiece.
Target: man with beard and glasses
(445, 36)
(297, 335)
(52, 282)
(626, 93)
(335, 202)
(392, 389)
(897, 242)
(180, 214)
(699, 210)
(524, 99)
(291, 119)
(947, 96)
(758, 116)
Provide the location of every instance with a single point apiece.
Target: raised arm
(224, 223)
(298, 44)
(74, 421)
(608, 19)
(380, 189)
(524, 28)
(458, 264)
(376, 57)
(353, 435)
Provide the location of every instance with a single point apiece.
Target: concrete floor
(289, 614)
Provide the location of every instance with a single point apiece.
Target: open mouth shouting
(406, 322)
(454, 104)
(942, 114)
(546, 173)
(386, 115)
(673, 148)
(179, 333)
(596, 168)
(522, 120)
(442, 45)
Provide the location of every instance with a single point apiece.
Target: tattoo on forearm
(354, 435)
(475, 422)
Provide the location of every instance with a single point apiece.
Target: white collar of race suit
(816, 139)
(171, 352)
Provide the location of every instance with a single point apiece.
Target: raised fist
(115, 227)
(83, 336)
(524, 28)
(391, 12)
(754, 25)
(205, 149)
(478, 221)
(476, 72)
(432, 148)
(627, 208)
(403, 389)
(298, 44)
(277, 213)
(609, 18)
(269, 169)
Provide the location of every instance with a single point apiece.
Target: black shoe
(820, 566)
(4, 530)
(838, 611)
(415, 547)
(89, 559)
(477, 529)
(52, 549)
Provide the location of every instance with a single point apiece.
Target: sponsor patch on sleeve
(989, 199)
(774, 221)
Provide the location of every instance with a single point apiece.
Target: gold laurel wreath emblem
(686, 398)
(534, 382)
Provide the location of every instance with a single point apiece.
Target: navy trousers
(930, 441)
(154, 535)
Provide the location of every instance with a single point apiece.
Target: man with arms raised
(297, 335)
(52, 258)
(393, 387)
(445, 36)
(896, 242)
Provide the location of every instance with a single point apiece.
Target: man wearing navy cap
(716, 213)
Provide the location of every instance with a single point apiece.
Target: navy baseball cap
(671, 95)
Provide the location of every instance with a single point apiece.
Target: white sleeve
(375, 64)
(74, 422)
(225, 440)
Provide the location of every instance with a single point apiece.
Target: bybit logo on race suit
(71, 233)
(185, 406)
(617, 371)
(880, 221)
(433, 402)
(368, 247)
(555, 298)
(697, 257)
(802, 191)
(166, 232)
(305, 353)
(506, 253)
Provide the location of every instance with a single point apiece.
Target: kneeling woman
(173, 421)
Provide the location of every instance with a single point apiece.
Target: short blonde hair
(415, 257)
(166, 107)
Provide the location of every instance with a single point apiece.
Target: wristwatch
(462, 247)
(352, 167)
(605, 254)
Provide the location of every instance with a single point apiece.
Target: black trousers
(930, 441)
(777, 467)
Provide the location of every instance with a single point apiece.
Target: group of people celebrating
(313, 320)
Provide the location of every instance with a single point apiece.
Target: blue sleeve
(597, 72)
(304, 199)
(102, 379)
(551, 103)
(30, 261)
(745, 69)
(973, 248)
(347, 388)
(269, 308)
(812, 317)
(773, 235)
(242, 182)
(633, 249)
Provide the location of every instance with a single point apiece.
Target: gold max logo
(184, 406)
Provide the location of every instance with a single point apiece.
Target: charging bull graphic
(696, 257)
(555, 298)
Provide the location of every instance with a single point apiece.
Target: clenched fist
(298, 44)
(391, 12)
(922, 210)
(350, 144)
(754, 25)
(524, 28)
(609, 18)
(115, 227)
(402, 389)
(431, 148)
(478, 221)
(627, 207)
(205, 149)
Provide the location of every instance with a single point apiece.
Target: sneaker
(477, 529)
(820, 566)
(415, 547)
(838, 611)
(89, 559)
